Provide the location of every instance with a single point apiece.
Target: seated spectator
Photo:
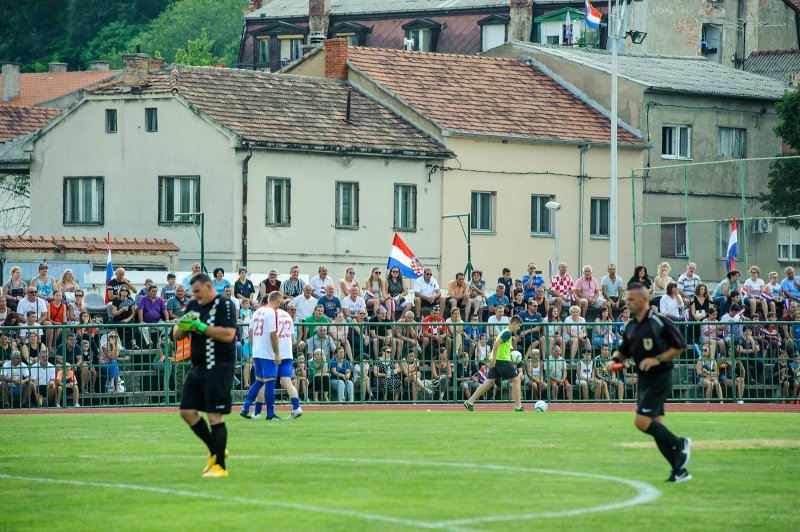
(575, 332)
(701, 303)
(782, 375)
(68, 383)
(557, 374)
(770, 337)
(732, 374)
(541, 301)
(712, 334)
(87, 330)
(773, 289)
(671, 304)
(243, 287)
(218, 281)
(176, 306)
(353, 303)
(305, 304)
(388, 375)
(732, 333)
(123, 311)
(118, 281)
(14, 290)
(300, 381)
(754, 292)
(433, 336)
(228, 293)
(269, 285)
(318, 317)
(339, 332)
(330, 303)
(16, 381)
(78, 304)
(790, 286)
(529, 334)
(426, 293)
(795, 369)
(497, 322)
(347, 283)
(152, 309)
(518, 288)
(246, 310)
(442, 374)
(319, 376)
(482, 348)
(143, 292)
(456, 336)
(395, 287)
(472, 331)
(794, 307)
(34, 304)
(362, 375)
(30, 325)
(187, 281)
(168, 290)
(293, 286)
(407, 332)
(707, 374)
(477, 294)
(499, 299)
(611, 288)
(466, 376)
(87, 369)
(688, 282)
(59, 313)
(44, 284)
(586, 379)
(587, 291)
(458, 294)
(747, 349)
(342, 377)
(381, 334)
(320, 340)
(111, 355)
(43, 380)
(640, 276)
(660, 282)
(7, 347)
(320, 281)
(358, 336)
(561, 288)
(534, 374)
(68, 285)
(13, 320)
(507, 281)
(4, 310)
(411, 379)
(30, 350)
(69, 352)
(531, 281)
(724, 290)
(554, 330)
(607, 379)
(604, 331)
(518, 304)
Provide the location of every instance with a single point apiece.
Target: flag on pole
(109, 266)
(568, 29)
(403, 259)
(733, 248)
(593, 16)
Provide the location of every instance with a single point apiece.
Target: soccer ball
(540, 406)
(516, 357)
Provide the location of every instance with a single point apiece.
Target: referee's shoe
(683, 455)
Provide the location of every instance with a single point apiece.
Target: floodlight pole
(613, 232)
(468, 236)
(201, 216)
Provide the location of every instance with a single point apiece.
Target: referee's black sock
(220, 434)
(667, 442)
(201, 429)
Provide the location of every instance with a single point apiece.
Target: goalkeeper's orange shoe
(216, 471)
(212, 461)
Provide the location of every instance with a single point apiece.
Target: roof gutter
(347, 150)
(642, 146)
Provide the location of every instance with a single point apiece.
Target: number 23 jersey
(266, 321)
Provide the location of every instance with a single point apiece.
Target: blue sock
(295, 403)
(252, 393)
(269, 398)
(259, 406)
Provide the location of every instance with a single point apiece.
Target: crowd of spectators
(390, 339)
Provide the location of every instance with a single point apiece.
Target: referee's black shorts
(207, 390)
(654, 390)
(503, 369)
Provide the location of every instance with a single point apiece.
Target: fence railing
(142, 365)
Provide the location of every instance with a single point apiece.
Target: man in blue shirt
(528, 334)
(330, 303)
(790, 286)
(531, 281)
(499, 298)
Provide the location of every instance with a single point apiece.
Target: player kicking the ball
(501, 367)
(653, 341)
(271, 331)
(210, 321)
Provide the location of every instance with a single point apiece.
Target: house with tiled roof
(783, 65)
(521, 139)
(285, 170)
(690, 110)
(55, 88)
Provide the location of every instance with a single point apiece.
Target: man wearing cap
(16, 379)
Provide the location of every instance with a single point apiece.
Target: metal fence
(398, 362)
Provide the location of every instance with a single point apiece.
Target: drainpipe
(245, 170)
(581, 203)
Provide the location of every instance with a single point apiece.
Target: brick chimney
(98, 66)
(519, 28)
(319, 16)
(134, 69)
(336, 51)
(255, 4)
(56, 67)
(10, 81)
(156, 63)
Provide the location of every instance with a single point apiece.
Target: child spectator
(732, 375)
(608, 379)
(534, 374)
(361, 379)
(586, 377)
(70, 383)
(557, 374)
(245, 312)
(782, 375)
(320, 376)
(300, 382)
(707, 374)
(389, 376)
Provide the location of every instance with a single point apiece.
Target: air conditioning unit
(761, 227)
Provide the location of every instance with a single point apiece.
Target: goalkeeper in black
(210, 321)
(653, 341)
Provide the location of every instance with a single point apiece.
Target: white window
(346, 205)
(151, 119)
(493, 35)
(111, 120)
(788, 243)
(278, 201)
(724, 235)
(483, 212)
(290, 48)
(405, 208)
(731, 142)
(600, 210)
(83, 200)
(676, 142)
(421, 38)
(262, 51)
(540, 216)
(177, 195)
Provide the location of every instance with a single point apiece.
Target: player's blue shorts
(267, 369)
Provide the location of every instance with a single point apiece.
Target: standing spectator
(293, 286)
(688, 281)
(724, 290)
(442, 374)
(243, 287)
(219, 281)
(497, 323)
(88, 372)
(640, 276)
(458, 293)
(43, 380)
(507, 281)
(727, 377)
(68, 285)
(426, 292)
(528, 335)
(611, 288)
(707, 373)
(477, 294)
(44, 283)
(395, 287)
(587, 291)
(118, 281)
(467, 376)
(433, 336)
(168, 290)
(561, 286)
(660, 282)
(531, 281)
(152, 309)
(321, 341)
(16, 380)
(342, 377)
(123, 310)
(319, 281)
(389, 377)
(754, 287)
(347, 283)
(353, 303)
(790, 286)
(373, 292)
(319, 376)
(671, 304)
(14, 289)
(499, 299)
(305, 303)
(748, 349)
(557, 375)
(176, 306)
(269, 285)
(339, 333)
(187, 281)
(773, 288)
(330, 303)
(575, 332)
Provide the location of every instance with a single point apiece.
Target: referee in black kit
(210, 320)
(653, 341)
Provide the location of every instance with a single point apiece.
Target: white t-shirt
(494, 330)
(16, 373)
(266, 321)
(587, 370)
(319, 285)
(754, 287)
(574, 329)
(39, 306)
(43, 374)
(353, 306)
(305, 307)
(669, 307)
(349, 286)
(426, 289)
(23, 333)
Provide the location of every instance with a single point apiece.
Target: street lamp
(198, 218)
(553, 207)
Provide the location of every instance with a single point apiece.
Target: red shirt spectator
(433, 317)
(562, 284)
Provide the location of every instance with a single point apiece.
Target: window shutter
(160, 199)
(355, 205)
(101, 208)
(64, 217)
(337, 208)
(413, 208)
(288, 202)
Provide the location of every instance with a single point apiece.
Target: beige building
(286, 170)
(520, 137)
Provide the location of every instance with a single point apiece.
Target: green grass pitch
(383, 470)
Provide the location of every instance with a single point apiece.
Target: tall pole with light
(198, 218)
(554, 207)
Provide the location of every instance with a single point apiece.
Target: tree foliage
(783, 191)
(197, 51)
(110, 43)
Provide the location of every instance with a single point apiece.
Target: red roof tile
(18, 121)
(43, 87)
(67, 244)
(487, 96)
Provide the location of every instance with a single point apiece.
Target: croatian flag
(109, 266)
(402, 258)
(482, 374)
(767, 296)
(733, 248)
(593, 16)
(739, 313)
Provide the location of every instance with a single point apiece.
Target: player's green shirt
(504, 349)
